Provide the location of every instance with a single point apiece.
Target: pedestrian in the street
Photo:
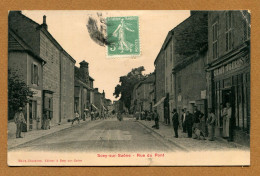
(92, 115)
(197, 118)
(19, 121)
(183, 119)
(189, 123)
(76, 118)
(167, 116)
(175, 122)
(211, 124)
(156, 119)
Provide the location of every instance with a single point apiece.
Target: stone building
(83, 89)
(228, 71)
(181, 42)
(159, 84)
(25, 63)
(190, 58)
(58, 72)
(143, 97)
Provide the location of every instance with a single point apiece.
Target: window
(246, 25)
(52, 55)
(215, 40)
(46, 48)
(228, 30)
(34, 74)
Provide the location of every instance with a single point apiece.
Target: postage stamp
(123, 36)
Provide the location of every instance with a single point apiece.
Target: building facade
(143, 95)
(23, 62)
(83, 89)
(159, 84)
(228, 72)
(57, 83)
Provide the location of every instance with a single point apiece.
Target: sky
(69, 29)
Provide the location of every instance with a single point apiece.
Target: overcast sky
(69, 29)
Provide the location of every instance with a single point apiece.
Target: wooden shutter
(37, 75)
(32, 76)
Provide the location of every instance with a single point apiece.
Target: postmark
(123, 36)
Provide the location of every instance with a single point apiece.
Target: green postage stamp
(123, 36)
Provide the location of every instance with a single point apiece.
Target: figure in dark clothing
(183, 118)
(156, 119)
(197, 118)
(175, 122)
(189, 123)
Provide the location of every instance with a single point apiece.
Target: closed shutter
(37, 75)
(32, 76)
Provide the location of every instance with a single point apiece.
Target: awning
(94, 106)
(159, 102)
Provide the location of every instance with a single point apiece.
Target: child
(198, 134)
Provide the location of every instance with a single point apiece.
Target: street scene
(129, 81)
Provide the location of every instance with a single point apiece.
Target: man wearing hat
(175, 122)
(19, 120)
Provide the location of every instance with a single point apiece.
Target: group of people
(194, 124)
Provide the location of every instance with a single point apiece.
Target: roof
(16, 43)
(45, 31)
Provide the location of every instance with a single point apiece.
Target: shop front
(231, 84)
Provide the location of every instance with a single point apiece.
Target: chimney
(84, 70)
(44, 24)
(103, 93)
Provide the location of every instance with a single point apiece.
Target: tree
(127, 84)
(18, 93)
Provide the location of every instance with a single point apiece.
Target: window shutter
(37, 75)
(51, 104)
(46, 103)
(32, 73)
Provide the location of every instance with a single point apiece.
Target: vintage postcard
(128, 88)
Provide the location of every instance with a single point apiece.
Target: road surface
(101, 135)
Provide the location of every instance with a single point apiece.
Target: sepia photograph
(128, 88)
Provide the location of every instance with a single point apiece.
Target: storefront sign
(231, 66)
(203, 94)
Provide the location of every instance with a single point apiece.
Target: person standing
(229, 126)
(183, 118)
(211, 125)
(223, 113)
(19, 120)
(197, 118)
(156, 119)
(175, 122)
(189, 123)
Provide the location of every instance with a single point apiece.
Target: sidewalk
(35, 134)
(183, 141)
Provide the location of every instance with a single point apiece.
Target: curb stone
(44, 135)
(167, 139)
